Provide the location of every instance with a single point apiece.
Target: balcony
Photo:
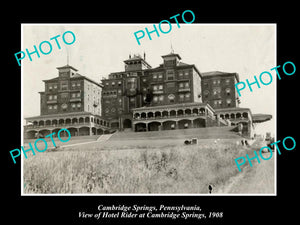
(52, 101)
(170, 116)
(75, 100)
(184, 89)
(158, 92)
(56, 125)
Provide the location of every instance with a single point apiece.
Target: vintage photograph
(104, 115)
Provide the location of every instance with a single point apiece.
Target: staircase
(104, 137)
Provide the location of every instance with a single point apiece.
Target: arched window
(227, 91)
(206, 93)
(171, 98)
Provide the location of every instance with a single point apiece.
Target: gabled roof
(76, 75)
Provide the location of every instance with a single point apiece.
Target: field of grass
(132, 167)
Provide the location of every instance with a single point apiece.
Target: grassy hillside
(141, 165)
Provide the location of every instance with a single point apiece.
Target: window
(228, 102)
(73, 105)
(170, 85)
(113, 109)
(107, 84)
(160, 87)
(186, 73)
(119, 91)
(217, 102)
(73, 84)
(181, 97)
(50, 97)
(154, 76)
(171, 98)
(187, 96)
(227, 81)
(54, 106)
(49, 106)
(216, 82)
(216, 91)
(64, 95)
(161, 98)
(180, 74)
(170, 75)
(132, 100)
(78, 84)
(160, 76)
(78, 95)
(131, 83)
(54, 97)
(184, 85)
(144, 80)
(227, 91)
(50, 87)
(113, 83)
(64, 85)
(107, 110)
(155, 98)
(64, 106)
(155, 87)
(206, 93)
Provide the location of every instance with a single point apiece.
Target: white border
(117, 24)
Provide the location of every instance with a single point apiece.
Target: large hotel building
(174, 95)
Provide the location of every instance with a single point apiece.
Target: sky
(99, 49)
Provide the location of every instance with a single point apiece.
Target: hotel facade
(173, 95)
(71, 101)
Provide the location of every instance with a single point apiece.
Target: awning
(260, 118)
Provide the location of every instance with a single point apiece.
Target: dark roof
(66, 66)
(171, 54)
(137, 57)
(219, 73)
(180, 64)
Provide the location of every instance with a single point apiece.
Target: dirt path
(259, 179)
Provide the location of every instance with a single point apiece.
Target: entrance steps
(104, 137)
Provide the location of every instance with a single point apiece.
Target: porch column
(176, 125)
